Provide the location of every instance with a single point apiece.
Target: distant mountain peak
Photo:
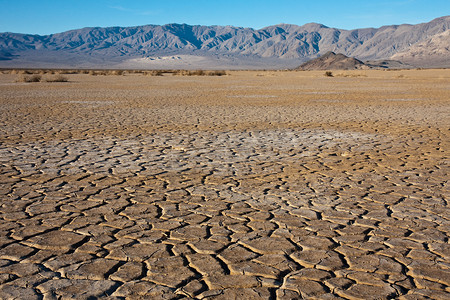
(314, 26)
(434, 48)
(333, 61)
(270, 45)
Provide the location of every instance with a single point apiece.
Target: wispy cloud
(137, 11)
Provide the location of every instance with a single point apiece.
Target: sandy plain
(272, 185)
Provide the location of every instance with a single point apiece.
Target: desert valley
(129, 179)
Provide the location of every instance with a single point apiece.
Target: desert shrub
(69, 71)
(32, 78)
(57, 78)
(181, 72)
(199, 73)
(216, 73)
(190, 72)
(196, 73)
(154, 73)
(137, 72)
(328, 74)
(117, 72)
(95, 73)
(350, 75)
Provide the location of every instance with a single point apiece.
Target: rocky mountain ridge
(333, 61)
(115, 46)
(339, 61)
(436, 50)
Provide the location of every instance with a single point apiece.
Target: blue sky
(52, 16)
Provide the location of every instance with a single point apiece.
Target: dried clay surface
(273, 185)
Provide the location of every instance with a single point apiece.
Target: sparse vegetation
(350, 74)
(154, 73)
(25, 72)
(217, 73)
(117, 72)
(102, 72)
(67, 71)
(183, 72)
(95, 73)
(200, 73)
(39, 78)
(57, 78)
(26, 78)
(329, 74)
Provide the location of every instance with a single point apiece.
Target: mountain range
(186, 46)
(333, 61)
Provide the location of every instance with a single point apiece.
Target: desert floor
(273, 185)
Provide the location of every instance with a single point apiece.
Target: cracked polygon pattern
(316, 210)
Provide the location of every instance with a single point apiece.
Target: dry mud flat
(273, 185)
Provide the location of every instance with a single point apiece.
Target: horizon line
(200, 25)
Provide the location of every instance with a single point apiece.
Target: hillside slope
(278, 44)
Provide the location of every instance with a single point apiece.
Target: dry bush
(57, 78)
(181, 72)
(199, 73)
(351, 75)
(190, 72)
(32, 78)
(216, 73)
(154, 73)
(117, 72)
(196, 73)
(328, 74)
(69, 71)
(95, 73)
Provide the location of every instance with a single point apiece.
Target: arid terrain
(183, 46)
(257, 184)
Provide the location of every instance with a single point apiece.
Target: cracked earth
(273, 185)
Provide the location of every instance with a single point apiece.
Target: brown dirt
(252, 185)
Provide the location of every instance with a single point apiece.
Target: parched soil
(272, 185)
